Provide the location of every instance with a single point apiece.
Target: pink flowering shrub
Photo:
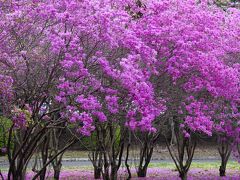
(120, 63)
(188, 41)
(198, 118)
(82, 86)
(192, 44)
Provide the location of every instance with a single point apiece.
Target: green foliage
(5, 124)
(118, 135)
(91, 142)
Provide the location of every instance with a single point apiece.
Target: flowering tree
(111, 67)
(225, 127)
(26, 58)
(194, 70)
(103, 87)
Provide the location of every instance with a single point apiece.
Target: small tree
(185, 150)
(224, 150)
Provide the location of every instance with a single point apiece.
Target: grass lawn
(201, 165)
(157, 171)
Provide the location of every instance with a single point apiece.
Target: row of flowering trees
(109, 68)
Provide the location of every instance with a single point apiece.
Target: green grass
(4, 169)
(77, 168)
(233, 165)
(75, 154)
(201, 165)
(67, 154)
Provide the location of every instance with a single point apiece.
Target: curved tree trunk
(44, 155)
(225, 151)
(183, 175)
(57, 170)
(142, 172)
(126, 159)
(97, 173)
(173, 134)
(112, 148)
(96, 159)
(146, 151)
(184, 153)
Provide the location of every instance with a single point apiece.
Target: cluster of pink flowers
(19, 119)
(112, 104)
(197, 118)
(111, 62)
(192, 42)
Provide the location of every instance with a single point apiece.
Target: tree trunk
(222, 170)
(57, 169)
(16, 173)
(114, 171)
(146, 151)
(17, 176)
(183, 175)
(44, 155)
(126, 159)
(96, 159)
(185, 151)
(43, 174)
(225, 151)
(97, 172)
(142, 172)
(173, 134)
(57, 173)
(105, 175)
